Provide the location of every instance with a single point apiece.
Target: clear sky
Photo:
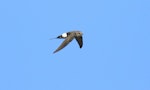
(115, 54)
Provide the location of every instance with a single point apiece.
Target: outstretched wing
(79, 40)
(65, 42)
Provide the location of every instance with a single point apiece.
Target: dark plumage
(69, 36)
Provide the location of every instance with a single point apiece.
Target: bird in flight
(69, 36)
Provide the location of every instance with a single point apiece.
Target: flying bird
(69, 36)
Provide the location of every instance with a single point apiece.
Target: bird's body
(69, 36)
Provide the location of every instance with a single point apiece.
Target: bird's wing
(65, 42)
(79, 40)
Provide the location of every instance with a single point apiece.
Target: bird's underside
(69, 36)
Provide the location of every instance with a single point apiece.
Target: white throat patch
(64, 35)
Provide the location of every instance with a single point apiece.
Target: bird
(69, 36)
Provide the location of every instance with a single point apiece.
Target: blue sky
(115, 54)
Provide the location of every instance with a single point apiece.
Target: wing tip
(54, 52)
